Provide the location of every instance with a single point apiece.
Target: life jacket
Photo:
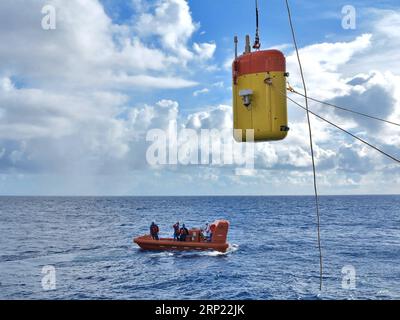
(212, 228)
(184, 231)
(176, 228)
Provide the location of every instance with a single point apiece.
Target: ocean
(87, 244)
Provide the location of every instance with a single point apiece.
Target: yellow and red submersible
(259, 94)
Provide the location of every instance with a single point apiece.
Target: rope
(345, 109)
(347, 132)
(311, 146)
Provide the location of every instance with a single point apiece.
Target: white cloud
(219, 84)
(201, 91)
(322, 63)
(227, 65)
(147, 81)
(282, 47)
(172, 23)
(6, 84)
(383, 54)
(87, 49)
(205, 51)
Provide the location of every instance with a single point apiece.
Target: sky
(78, 101)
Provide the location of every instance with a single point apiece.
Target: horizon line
(197, 196)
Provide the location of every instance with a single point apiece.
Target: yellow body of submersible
(259, 95)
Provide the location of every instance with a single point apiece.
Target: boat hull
(147, 243)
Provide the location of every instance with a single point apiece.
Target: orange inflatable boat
(193, 240)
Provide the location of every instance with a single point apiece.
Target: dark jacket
(154, 229)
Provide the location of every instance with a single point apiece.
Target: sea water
(86, 243)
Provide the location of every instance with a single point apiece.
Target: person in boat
(176, 231)
(212, 230)
(184, 232)
(201, 235)
(207, 231)
(154, 230)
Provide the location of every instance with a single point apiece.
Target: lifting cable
(257, 43)
(344, 109)
(311, 145)
(346, 131)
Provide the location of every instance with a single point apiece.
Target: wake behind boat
(193, 241)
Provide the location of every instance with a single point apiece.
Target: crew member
(207, 231)
(212, 230)
(176, 231)
(183, 233)
(201, 235)
(154, 230)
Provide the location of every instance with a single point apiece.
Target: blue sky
(77, 102)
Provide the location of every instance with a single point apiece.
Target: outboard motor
(220, 234)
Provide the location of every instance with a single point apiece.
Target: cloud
(202, 91)
(205, 51)
(227, 64)
(88, 46)
(91, 135)
(322, 64)
(334, 74)
(219, 84)
(35, 113)
(370, 97)
(171, 22)
(147, 81)
(383, 55)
